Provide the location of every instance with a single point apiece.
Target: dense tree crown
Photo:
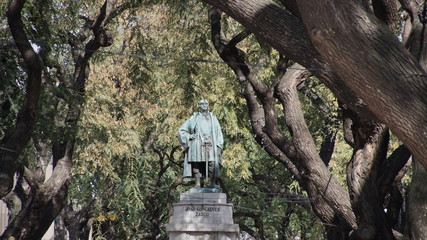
(322, 105)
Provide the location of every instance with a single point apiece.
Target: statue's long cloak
(194, 148)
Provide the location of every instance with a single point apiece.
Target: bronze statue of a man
(202, 138)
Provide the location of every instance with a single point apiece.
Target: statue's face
(204, 105)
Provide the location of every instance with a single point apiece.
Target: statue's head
(203, 105)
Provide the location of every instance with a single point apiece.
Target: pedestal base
(202, 216)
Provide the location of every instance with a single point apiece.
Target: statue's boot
(213, 180)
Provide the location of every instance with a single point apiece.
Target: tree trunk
(302, 160)
(388, 79)
(13, 143)
(331, 203)
(371, 141)
(36, 215)
(286, 33)
(78, 223)
(60, 232)
(47, 199)
(374, 64)
(417, 204)
(416, 212)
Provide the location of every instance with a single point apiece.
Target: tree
(123, 147)
(368, 175)
(333, 47)
(127, 154)
(53, 100)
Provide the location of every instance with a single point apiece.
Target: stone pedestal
(202, 216)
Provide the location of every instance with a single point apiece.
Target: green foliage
(137, 95)
(267, 200)
(12, 78)
(130, 98)
(340, 158)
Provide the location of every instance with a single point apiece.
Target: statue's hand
(193, 136)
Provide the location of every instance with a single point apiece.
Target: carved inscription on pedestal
(202, 211)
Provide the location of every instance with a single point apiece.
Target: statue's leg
(202, 180)
(197, 177)
(212, 175)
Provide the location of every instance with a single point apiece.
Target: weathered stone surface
(201, 236)
(200, 227)
(203, 198)
(201, 216)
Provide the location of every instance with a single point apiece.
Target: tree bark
(78, 223)
(386, 11)
(371, 141)
(312, 165)
(47, 199)
(12, 144)
(60, 229)
(286, 33)
(299, 155)
(388, 79)
(374, 64)
(415, 33)
(33, 220)
(417, 205)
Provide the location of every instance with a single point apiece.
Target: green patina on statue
(202, 138)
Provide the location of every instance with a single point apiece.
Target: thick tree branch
(233, 56)
(329, 130)
(371, 141)
(388, 79)
(386, 11)
(347, 122)
(257, 119)
(13, 143)
(391, 168)
(100, 39)
(310, 161)
(31, 179)
(256, 111)
(292, 7)
(62, 170)
(264, 124)
(286, 33)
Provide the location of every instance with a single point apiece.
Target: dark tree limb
(330, 123)
(347, 122)
(391, 169)
(401, 103)
(264, 123)
(326, 185)
(256, 111)
(386, 11)
(416, 212)
(371, 141)
(293, 42)
(292, 7)
(33, 221)
(13, 143)
(257, 234)
(78, 222)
